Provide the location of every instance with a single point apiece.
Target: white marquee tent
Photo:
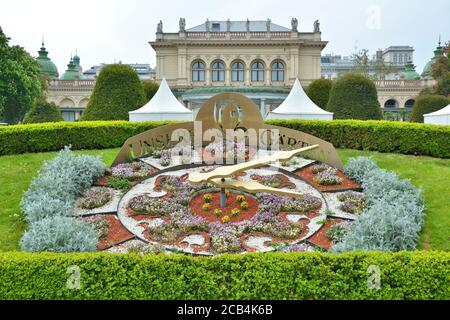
(299, 106)
(163, 106)
(438, 117)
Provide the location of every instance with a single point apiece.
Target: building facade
(260, 59)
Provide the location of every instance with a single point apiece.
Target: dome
(71, 73)
(439, 52)
(76, 61)
(47, 66)
(410, 72)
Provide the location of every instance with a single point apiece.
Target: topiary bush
(117, 91)
(319, 92)
(427, 104)
(150, 87)
(354, 97)
(59, 234)
(394, 218)
(43, 111)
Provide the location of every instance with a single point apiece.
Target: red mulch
(306, 173)
(197, 202)
(320, 237)
(102, 182)
(117, 233)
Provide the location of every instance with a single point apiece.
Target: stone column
(262, 107)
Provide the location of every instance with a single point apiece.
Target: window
(215, 27)
(198, 71)
(395, 58)
(237, 71)
(258, 71)
(391, 103)
(218, 71)
(277, 70)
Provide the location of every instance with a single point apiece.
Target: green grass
(431, 174)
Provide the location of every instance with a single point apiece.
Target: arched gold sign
(228, 111)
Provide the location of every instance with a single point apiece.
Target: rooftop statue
(248, 25)
(316, 26)
(182, 24)
(268, 24)
(228, 25)
(159, 28)
(294, 24)
(207, 25)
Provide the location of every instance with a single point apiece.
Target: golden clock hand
(227, 171)
(251, 187)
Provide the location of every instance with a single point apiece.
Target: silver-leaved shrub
(59, 234)
(394, 217)
(49, 203)
(59, 183)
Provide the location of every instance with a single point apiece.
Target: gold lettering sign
(229, 113)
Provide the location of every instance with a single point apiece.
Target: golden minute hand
(227, 171)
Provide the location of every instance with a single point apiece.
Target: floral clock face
(164, 209)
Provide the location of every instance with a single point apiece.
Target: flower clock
(277, 201)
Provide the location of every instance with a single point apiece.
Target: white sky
(113, 30)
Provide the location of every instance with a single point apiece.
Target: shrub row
(404, 275)
(383, 136)
(394, 217)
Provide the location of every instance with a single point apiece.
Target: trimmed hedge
(383, 136)
(319, 92)
(404, 275)
(427, 104)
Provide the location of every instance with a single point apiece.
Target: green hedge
(404, 275)
(383, 136)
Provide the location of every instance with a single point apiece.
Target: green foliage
(43, 111)
(427, 104)
(354, 97)
(117, 91)
(20, 81)
(319, 92)
(303, 276)
(150, 87)
(383, 136)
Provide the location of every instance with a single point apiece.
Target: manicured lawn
(432, 174)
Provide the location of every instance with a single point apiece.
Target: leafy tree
(117, 91)
(427, 104)
(319, 92)
(376, 69)
(21, 83)
(150, 87)
(43, 111)
(354, 97)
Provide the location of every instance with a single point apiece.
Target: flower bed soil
(285, 183)
(197, 203)
(117, 233)
(320, 238)
(347, 184)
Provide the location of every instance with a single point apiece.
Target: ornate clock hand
(227, 171)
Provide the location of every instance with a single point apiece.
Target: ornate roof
(238, 26)
(47, 66)
(409, 73)
(71, 73)
(439, 52)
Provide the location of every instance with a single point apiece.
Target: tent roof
(443, 111)
(297, 102)
(163, 102)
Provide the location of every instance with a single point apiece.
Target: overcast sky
(114, 30)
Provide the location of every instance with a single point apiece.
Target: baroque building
(260, 59)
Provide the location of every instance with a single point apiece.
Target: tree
(43, 111)
(319, 92)
(117, 91)
(427, 104)
(376, 69)
(150, 87)
(354, 97)
(21, 83)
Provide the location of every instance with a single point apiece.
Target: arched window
(218, 71)
(277, 68)
(198, 71)
(257, 71)
(409, 103)
(391, 103)
(237, 71)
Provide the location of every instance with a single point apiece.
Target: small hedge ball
(240, 198)
(206, 207)
(244, 205)
(235, 212)
(218, 212)
(207, 198)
